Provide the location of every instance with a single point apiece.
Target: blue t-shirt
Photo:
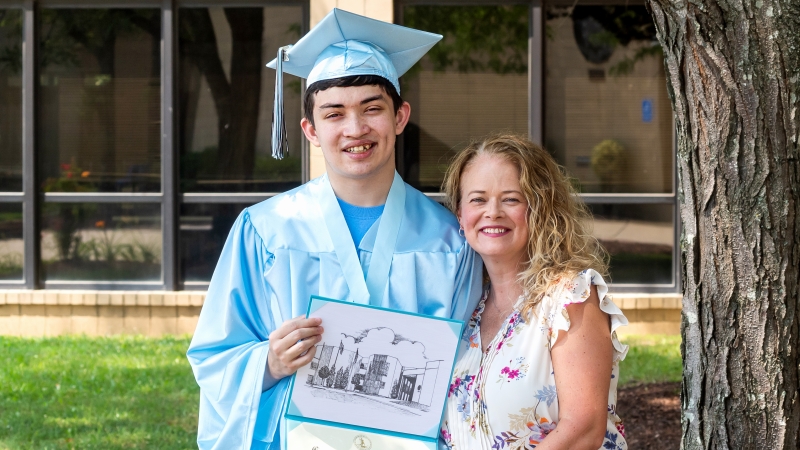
(359, 218)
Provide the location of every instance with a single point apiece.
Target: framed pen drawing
(377, 375)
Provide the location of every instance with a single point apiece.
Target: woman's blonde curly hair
(560, 244)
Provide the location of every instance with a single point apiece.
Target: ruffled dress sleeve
(577, 290)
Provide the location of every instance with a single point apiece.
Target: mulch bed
(652, 415)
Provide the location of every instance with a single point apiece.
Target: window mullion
(29, 209)
(536, 74)
(169, 204)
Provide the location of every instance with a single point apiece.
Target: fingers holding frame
(290, 343)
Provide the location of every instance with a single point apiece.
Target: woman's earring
(461, 230)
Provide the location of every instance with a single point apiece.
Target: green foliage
(626, 66)
(68, 217)
(11, 54)
(651, 359)
(97, 393)
(4, 216)
(294, 30)
(620, 25)
(108, 250)
(269, 168)
(476, 38)
(608, 159)
(203, 165)
(71, 179)
(68, 32)
(10, 264)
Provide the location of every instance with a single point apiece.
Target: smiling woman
(544, 323)
(493, 212)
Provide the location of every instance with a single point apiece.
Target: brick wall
(94, 313)
(153, 313)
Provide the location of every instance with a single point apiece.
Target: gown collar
(370, 287)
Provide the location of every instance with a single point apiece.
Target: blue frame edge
(426, 437)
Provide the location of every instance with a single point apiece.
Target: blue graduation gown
(278, 255)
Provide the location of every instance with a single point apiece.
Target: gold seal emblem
(362, 442)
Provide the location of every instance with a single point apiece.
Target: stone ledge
(155, 313)
(648, 301)
(196, 298)
(99, 320)
(101, 298)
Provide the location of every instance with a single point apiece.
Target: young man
(358, 233)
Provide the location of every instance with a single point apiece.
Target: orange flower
(84, 174)
(100, 224)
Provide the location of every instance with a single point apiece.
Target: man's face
(356, 128)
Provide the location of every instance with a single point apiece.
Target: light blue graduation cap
(345, 44)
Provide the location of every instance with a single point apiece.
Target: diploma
(379, 379)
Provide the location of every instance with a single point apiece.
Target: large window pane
(226, 99)
(11, 249)
(608, 118)
(640, 239)
(10, 100)
(101, 242)
(472, 83)
(204, 228)
(100, 100)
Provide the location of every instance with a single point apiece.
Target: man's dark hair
(353, 80)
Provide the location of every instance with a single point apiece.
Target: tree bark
(734, 80)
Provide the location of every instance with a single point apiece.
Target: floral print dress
(506, 398)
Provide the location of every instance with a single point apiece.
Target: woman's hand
(582, 362)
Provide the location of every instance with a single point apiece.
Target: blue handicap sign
(647, 110)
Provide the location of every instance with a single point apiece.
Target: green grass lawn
(135, 392)
(651, 359)
(104, 393)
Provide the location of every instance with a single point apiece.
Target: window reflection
(203, 230)
(10, 100)
(608, 118)
(100, 100)
(11, 248)
(640, 240)
(226, 99)
(101, 242)
(472, 83)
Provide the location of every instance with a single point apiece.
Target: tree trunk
(247, 28)
(236, 100)
(734, 79)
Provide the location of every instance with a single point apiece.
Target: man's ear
(310, 131)
(401, 118)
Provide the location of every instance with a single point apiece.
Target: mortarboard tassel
(280, 144)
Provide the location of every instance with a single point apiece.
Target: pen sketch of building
(376, 375)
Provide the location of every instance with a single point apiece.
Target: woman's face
(493, 211)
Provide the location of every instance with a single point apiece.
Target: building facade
(132, 134)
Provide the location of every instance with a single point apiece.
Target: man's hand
(289, 345)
